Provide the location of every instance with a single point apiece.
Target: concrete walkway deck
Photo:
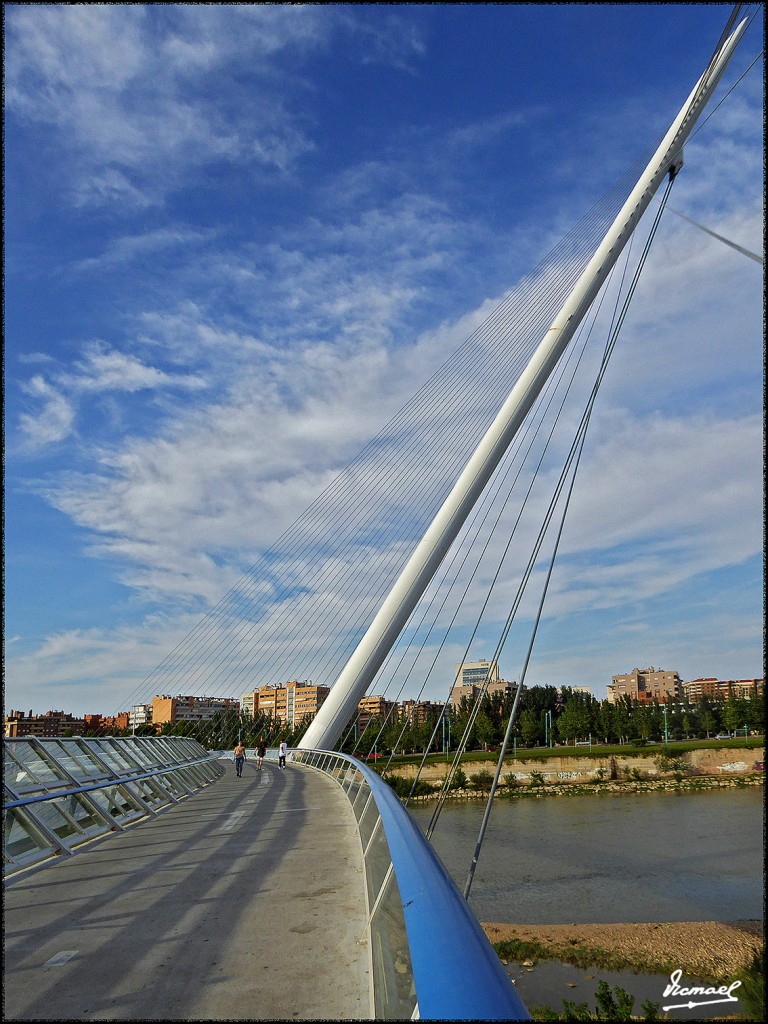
(243, 902)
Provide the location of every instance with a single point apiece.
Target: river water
(658, 856)
(608, 859)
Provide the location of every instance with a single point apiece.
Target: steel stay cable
(465, 544)
(537, 547)
(593, 397)
(552, 386)
(233, 713)
(217, 606)
(574, 458)
(478, 701)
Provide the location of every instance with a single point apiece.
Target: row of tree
(547, 715)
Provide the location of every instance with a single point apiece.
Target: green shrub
(403, 786)
(613, 1005)
(482, 780)
(459, 780)
(677, 765)
(537, 779)
(751, 992)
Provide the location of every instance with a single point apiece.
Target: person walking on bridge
(239, 759)
(282, 751)
(261, 753)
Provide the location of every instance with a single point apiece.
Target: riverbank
(701, 949)
(692, 784)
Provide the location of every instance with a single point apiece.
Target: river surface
(609, 858)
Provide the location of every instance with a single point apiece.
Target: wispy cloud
(239, 368)
(101, 370)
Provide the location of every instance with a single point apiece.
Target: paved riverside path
(243, 902)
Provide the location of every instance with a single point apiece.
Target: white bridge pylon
(360, 671)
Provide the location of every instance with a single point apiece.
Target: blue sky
(239, 238)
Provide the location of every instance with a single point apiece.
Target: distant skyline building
(471, 676)
(372, 706)
(170, 710)
(722, 689)
(50, 724)
(140, 714)
(418, 711)
(289, 704)
(646, 685)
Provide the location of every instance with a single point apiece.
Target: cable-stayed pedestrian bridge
(146, 881)
(309, 893)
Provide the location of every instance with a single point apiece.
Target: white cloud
(101, 370)
(268, 363)
(55, 420)
(139, 97)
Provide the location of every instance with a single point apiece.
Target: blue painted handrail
(456, 971)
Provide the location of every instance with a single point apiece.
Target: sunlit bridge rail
(216, 907)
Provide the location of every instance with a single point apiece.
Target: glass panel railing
(394, 991)
(41, 766)
(368, 822)
(22, 841)
(377, 863)
(151, 792)
(117, 803)
(61, 792)
(430, 956)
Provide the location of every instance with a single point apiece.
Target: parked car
(723, 736)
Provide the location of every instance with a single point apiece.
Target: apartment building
(722, 689)
(140, 714)
(249, 702)
(105, 725)
(419, 711)
(372, 707)
(646, 685)
(288, 704)
(470, 678)
(171, 710)
(51, 724)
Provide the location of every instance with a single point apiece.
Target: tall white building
(471, 677)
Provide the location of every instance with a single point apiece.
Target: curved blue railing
(430, 956)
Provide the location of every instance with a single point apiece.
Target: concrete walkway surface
(245, 901)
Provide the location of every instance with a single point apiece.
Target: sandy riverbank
(706, 949)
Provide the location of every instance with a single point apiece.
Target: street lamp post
(666, 730)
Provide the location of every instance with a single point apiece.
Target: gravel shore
(705, 949)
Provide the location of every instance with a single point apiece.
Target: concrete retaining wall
(726, 762)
